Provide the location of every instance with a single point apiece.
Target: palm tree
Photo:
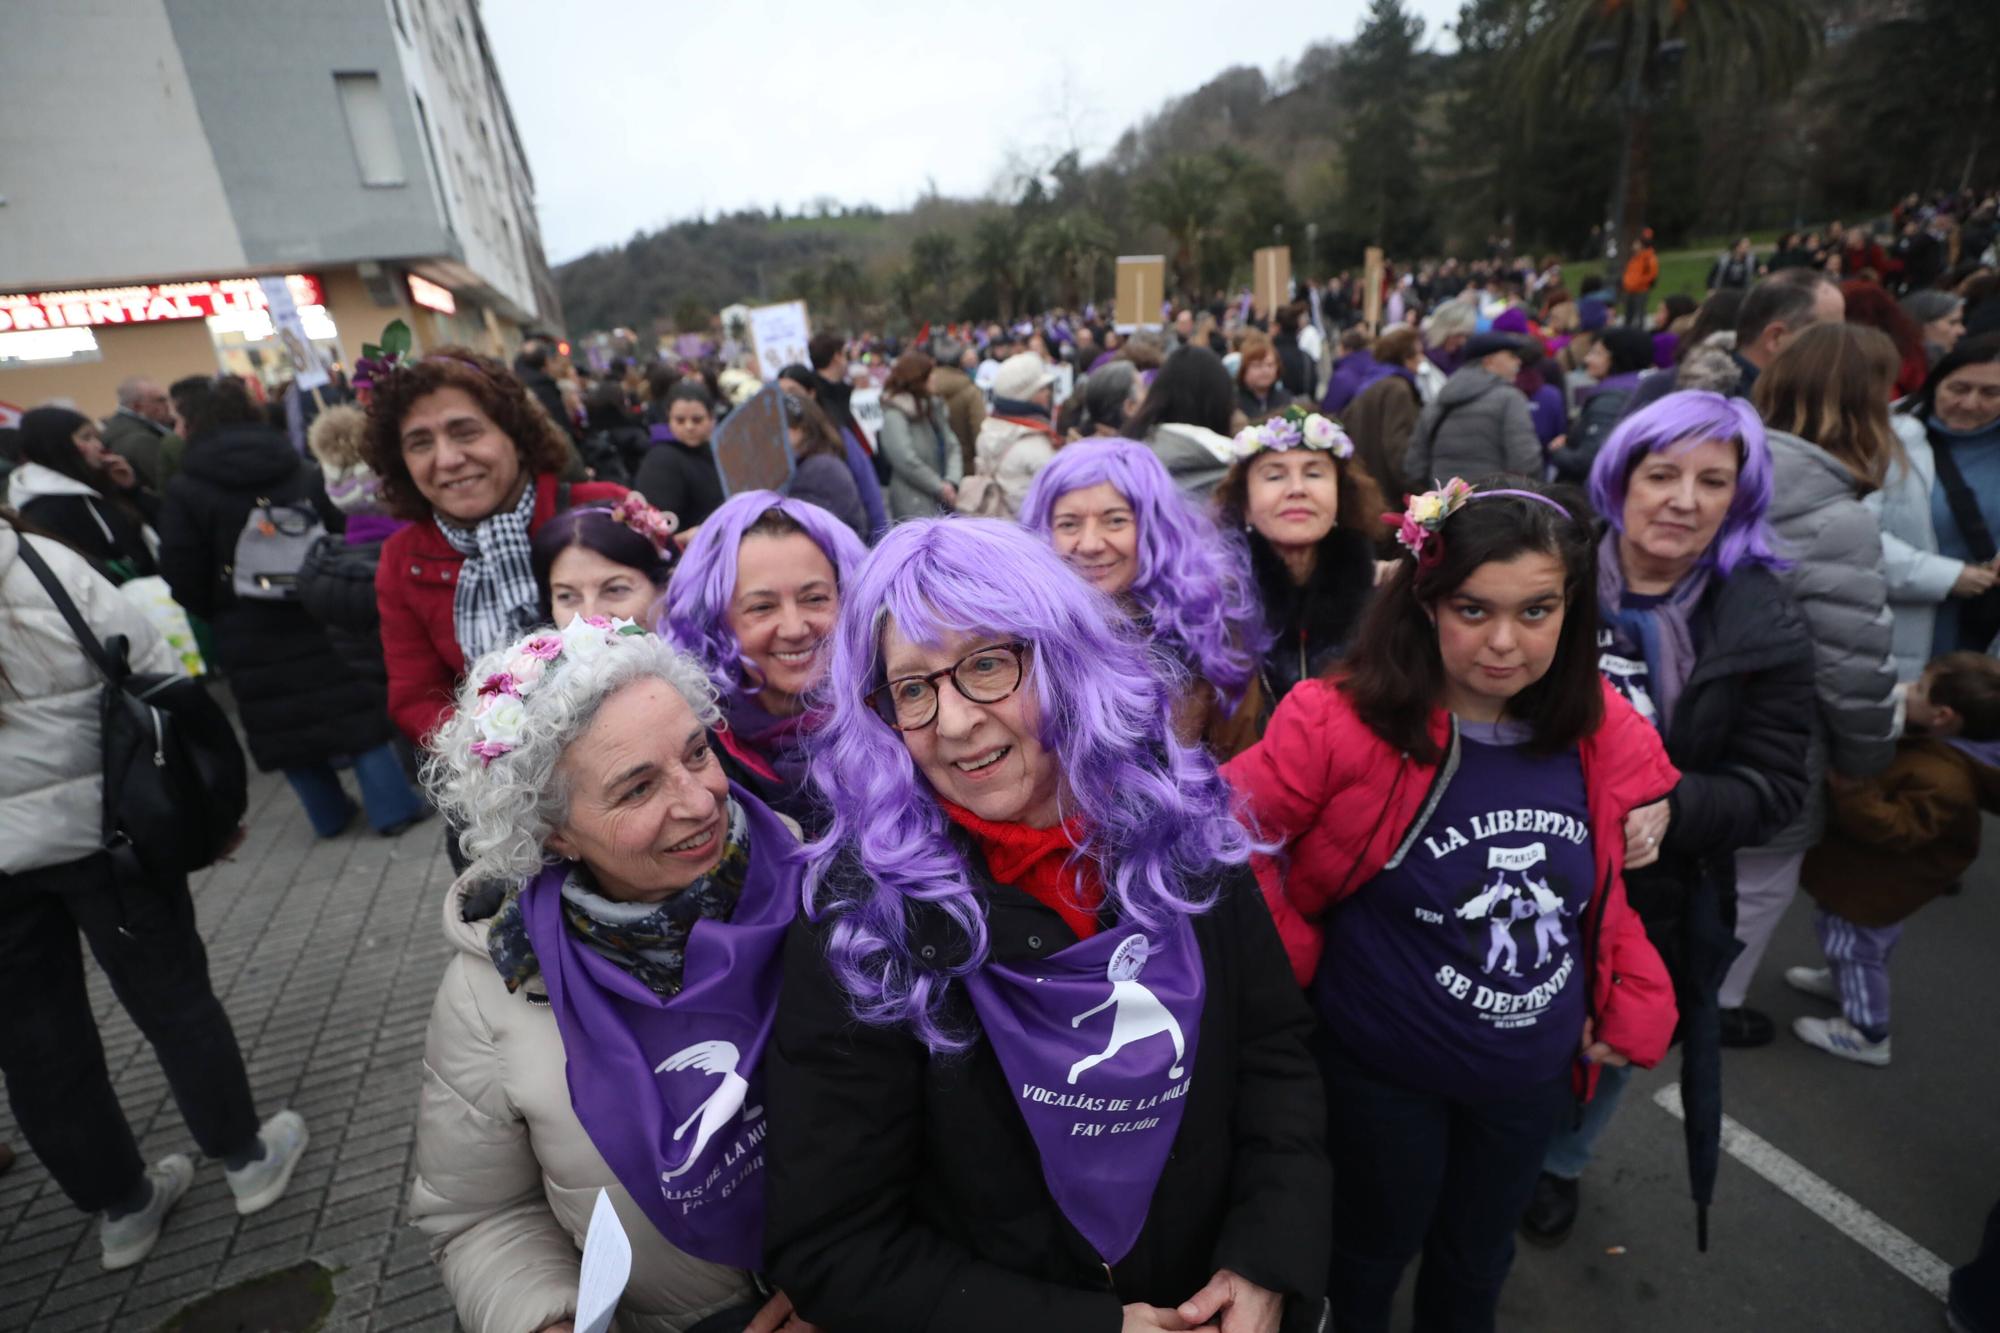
(1657, 50)
(1185, 199)
(1070, 249)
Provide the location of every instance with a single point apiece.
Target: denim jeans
(1415, 1172)
(143, 936)
(385, 791)
(1570, 1150)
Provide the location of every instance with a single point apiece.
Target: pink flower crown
(1294, 430)
(501, 715)
(1419, 528)
(655, 525)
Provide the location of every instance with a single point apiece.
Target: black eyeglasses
(910, 703)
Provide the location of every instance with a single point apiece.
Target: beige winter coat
(506, 1175)
(1013, 452)
(51, 761)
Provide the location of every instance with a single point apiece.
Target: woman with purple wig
(1310, 512)
(1112, 512)
(1700, 636)
(1037, 1060)
(754, 600)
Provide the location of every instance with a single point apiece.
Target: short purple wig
(1156, 814)
(704, 583)
(1194, 583)
(1679, 421)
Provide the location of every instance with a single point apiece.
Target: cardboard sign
(1064, 385)
(866, 405)
(753, 450)
(1371, 289)
(309, 364)
(1272, 269)
(779, 335)
(1142, 285)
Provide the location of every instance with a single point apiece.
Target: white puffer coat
(51, 763)
(507, 1177)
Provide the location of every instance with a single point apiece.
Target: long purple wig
(704, 583)
(1680, 421)
(1194, 583)
(1155, 813)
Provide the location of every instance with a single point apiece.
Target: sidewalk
(326, 956)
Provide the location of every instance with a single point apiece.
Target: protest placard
(1142, 286)
(310, 369)
(1371, 289)
(1272, 274)
(753, 450)
(779, 334)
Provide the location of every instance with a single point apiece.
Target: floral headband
(1419, 526)
(378, 361)
(1294, 428)
(502, 716)
(655, 525)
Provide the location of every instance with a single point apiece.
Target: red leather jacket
(1344, 802)
(413, 589)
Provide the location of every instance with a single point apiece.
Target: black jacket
(1311, 626)
(1296, 370)
(81, 521)
(905, 1192)
(681, 480)
(300, 703)
(337, 589)
(549, 394)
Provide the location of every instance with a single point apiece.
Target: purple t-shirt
(1461, 970)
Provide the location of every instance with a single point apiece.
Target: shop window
(370, 128)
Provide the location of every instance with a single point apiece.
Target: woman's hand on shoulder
(1644, 828)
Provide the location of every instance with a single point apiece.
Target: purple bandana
(1099, 1043)
(670, 1089)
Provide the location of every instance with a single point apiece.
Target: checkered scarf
(496, 597)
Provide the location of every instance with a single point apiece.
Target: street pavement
(326, 955)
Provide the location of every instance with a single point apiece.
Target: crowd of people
(1065, 859)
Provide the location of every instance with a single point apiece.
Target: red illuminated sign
(146, 305)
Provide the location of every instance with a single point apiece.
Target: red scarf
(1035, 861)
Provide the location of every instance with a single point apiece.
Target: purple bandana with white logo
(1098, 1045)
(670, 1089)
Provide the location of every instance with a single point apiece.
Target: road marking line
(1847, 1216)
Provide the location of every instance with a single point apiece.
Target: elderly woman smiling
(1039, 1061)
(602, 1021)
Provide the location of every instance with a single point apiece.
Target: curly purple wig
(698, 597)
(1194, 583)
(1678, 421)
(1155, 813)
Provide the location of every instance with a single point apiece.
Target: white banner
(779, 333)
(308, 363)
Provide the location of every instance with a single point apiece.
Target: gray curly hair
(506, 809)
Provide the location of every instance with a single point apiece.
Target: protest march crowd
(1134, 828)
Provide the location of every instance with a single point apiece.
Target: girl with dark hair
(1939, 508)
(1186, 418)
(1700, 636)
(1309, 511)
(1031, 923)
(465, 454)
(754, 601)
(1109, 508)
(1676, 318)
(604, 560)
(302, 705)
(803, 382)
(73, 487)
(926, 462)
(1616, 361)
(1458, 806)
(678, 473)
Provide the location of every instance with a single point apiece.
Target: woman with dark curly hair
(472, 461)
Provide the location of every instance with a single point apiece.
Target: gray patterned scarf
(496, 597)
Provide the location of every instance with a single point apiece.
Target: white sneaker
(1837, 1036)
(129, 1239)
(261, 1183)
(1814, 981)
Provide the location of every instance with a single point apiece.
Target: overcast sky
(639, 113)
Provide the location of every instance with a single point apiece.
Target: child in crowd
(1896, 841)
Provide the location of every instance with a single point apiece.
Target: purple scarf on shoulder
(1665, 631)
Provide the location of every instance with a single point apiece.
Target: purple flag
(1098, 1044)
(670, 1089)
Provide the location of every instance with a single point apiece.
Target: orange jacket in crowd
(1642, 270)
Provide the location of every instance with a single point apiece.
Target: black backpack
(175, 784)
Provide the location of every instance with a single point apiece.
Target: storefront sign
(147, 305)
(431, 296)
